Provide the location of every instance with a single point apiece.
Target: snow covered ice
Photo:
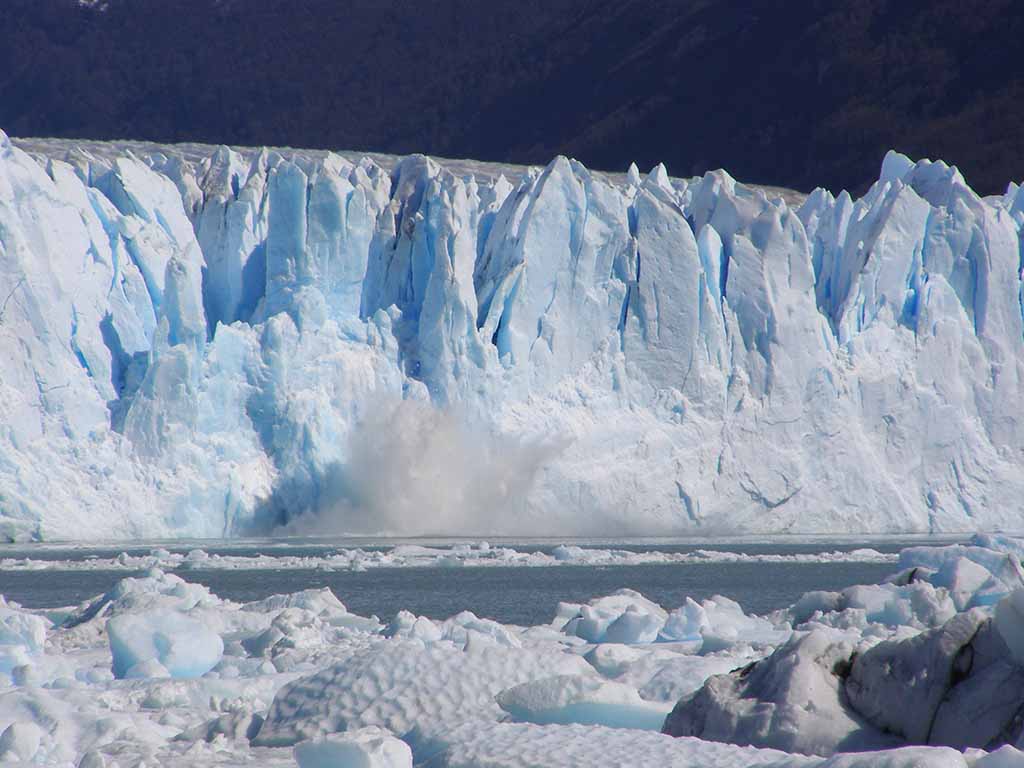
(365, 748)
(583, 699)
(162, 644)
(205, 342)
(923, 669)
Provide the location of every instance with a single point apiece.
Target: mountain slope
(798, 94)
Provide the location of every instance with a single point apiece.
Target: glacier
(208, 342)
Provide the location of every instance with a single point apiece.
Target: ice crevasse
(224, 342)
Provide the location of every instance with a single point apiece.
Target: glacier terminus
(209, 342)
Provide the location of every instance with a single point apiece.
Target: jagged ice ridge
(232, 342)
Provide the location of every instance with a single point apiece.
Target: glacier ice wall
(236, 342)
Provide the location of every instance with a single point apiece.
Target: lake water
(515, 595)
(523, 596)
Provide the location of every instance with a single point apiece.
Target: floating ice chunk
(968, 583)
(484, 556)
(727, 624)
(683, 675)
(147, 669)
(583, 699)
(904, 757)
(1004, 757)
(132, 594)
(20, 628)
(183, 646)
(369, 747)
(942, 567)
(634, 626)
(593, 621)
(718, 623)
(815, 601)
(589, 624)
(957, 685)
(998, 543)
(663, 672)
(408, 625)
(686, 623)
(292, 628)
(1009, 621)
(567, 552)
(612, 659)
(295, 634)
(92, 759)
(879, 604)
(459, 630)
(236, 726)
(526, 745)
(791, 700)
(918, 672)
(465, 625)
(917, 604)
(25, 674)
(322, 602)
(22, 636)
(627, 617)
(19, 742)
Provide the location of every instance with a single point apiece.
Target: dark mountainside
(797, 93)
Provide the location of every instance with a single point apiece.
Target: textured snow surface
(207, 342)
(407, 687)
(583, 699)
(509, 745)
(298, 679)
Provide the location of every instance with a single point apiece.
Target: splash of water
(417, 470)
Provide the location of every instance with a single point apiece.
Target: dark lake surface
(516, 595)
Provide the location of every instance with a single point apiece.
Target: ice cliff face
(244, 342)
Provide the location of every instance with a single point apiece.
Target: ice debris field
(923, 670)
(480, 554)
(202, 342)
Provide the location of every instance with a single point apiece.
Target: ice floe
(923, 669)
(415, 556)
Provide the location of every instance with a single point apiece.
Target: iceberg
(369, 747)
(208, 342)
(791, 701)
(856, 678)
(628, 618)
(154, 644)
